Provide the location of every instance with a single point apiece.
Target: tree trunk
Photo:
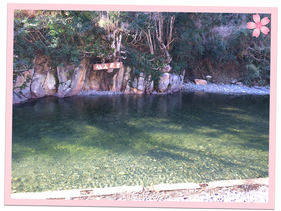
(169, 40)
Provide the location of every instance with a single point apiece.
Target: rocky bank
(70, 79)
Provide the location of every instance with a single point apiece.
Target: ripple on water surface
(107, 141)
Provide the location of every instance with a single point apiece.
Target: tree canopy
(200, 43)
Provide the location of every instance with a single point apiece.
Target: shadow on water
(195, 129)
(126, 120)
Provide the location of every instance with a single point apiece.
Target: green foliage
(141, 63)
(213, 41)
(208, 41)
(64, 36)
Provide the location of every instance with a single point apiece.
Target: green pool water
(107, 141)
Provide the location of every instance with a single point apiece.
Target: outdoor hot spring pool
(107, 141)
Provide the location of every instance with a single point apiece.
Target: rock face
(34, 83)
(164, 82)
(43, 80)
(21, 86)
(117, 80)
(71, 79)
(36, 88)
(176, 82)
(168, 83)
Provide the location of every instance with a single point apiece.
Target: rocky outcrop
(168, 83)
(21, 86)
(117, 80)
(43, 80)
(164, 82)
(138, 85)
(175, 82)
(36, 88)
(34, 83)
(121, 80)
(71, 78)
(65, 81)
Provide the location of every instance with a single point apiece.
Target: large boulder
(18, 98)
(64, 78)
(137, 86)
(71, 79)
(43, 80)
(149, 85)
(43, 85)
(164, 82)
(21, 86)
(200, 82)
(176, 82)
(141, 84)
(36, 87)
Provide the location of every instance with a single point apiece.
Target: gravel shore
(226, 89)
(93, 92)
(239, 193)
(192, 87)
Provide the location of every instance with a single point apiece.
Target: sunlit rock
(36, 87)
(200, 82)
(75, 77)
(164, 82)
(175, 83)
(50, 84)
(141, 84)
(21, 86)
(149, 85)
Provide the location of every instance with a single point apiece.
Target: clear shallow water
(107, 141)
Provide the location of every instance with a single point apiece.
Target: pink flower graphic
(259, 25)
